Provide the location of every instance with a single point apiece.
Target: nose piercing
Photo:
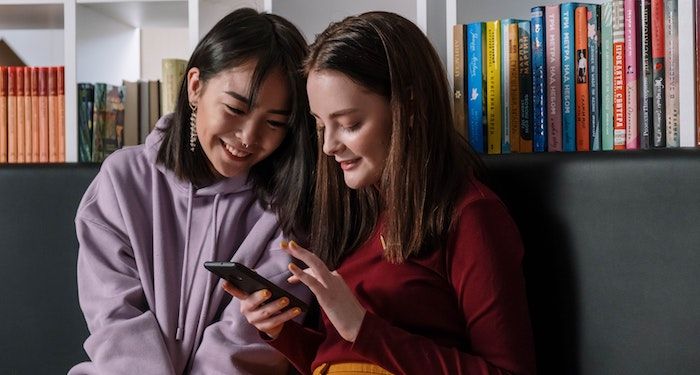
(245, 145)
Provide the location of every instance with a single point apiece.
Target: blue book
(475, 85)
(539, 80)
(594, 75)
(568, 86)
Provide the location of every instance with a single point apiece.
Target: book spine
(671, 51)
(606, 77)
(21, 126)
(619, 89)
(111, 131)
(3, 114)
(27, 115)
(34, 72)
(514, 86)
(98, 122)
(525, 74)
(593, 30)
(583, 129)
(631, 128)
(173, 73)
(11, 114)
(475, 82)
(554, 90)
(86, 94)
(568, 84)
(61, 113)
(44, 115)
(493, 86)
(646, 97)
(658, 73)
(505, 86)
(539, 81)
(459, 78)
(686, 73)
(697, 73)
(53, 116)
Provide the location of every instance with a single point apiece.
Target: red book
(20, 114)
(61, 95)
(34, 92)
(11, 114)
(53, 115)
(27, 115)
(658, 73)
(619, 88)
(3, 114)
(583, 126)
(44, 115)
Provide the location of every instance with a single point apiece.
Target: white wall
(154, 49)
(36, 47)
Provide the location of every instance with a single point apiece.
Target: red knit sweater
(461, 310)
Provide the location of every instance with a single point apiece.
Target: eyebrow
(342, 112)
(285, 112)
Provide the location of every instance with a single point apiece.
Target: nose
(249, 132)
(331, 144)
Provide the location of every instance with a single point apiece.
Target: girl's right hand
(266, 317)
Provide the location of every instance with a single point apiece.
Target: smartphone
(250, 282)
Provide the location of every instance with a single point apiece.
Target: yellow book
(514, 85)
(493, 86)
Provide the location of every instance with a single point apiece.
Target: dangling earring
(193, 127)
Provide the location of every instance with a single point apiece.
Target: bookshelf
(114, 40)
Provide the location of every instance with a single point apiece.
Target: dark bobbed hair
(283, 180)
(429, 164)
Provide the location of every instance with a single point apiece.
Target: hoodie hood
(224, 186)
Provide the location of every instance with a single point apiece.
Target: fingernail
(266, 293)
(284, 244)
(283, 302)
(296, 311)
(293, 267)
(293, 244)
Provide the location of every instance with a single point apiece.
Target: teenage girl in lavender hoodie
(225, 177)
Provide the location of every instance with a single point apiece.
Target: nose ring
(245, 145)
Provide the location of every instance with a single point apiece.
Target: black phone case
(250, 282)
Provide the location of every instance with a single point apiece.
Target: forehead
(328, 88)
(238, 79)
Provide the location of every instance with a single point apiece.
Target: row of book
(113, 116)
(32, 118)
(577, 77)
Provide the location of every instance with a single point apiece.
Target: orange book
(20, 114)
(61, 93)
(34, 93)
(3, 114)
(583, 126)
(53, 115)
(43, 88)
(27, 115)
(11, 114)
(514, 84)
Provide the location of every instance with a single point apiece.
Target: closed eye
(277, 124)
(234, 110)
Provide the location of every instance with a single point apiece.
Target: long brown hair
(283, 180)
(428, 165)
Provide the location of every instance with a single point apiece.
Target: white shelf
(142, 14)
(31, 15)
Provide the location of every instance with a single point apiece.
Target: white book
(686, 72)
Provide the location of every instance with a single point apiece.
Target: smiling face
(355, 124)
(233, 133)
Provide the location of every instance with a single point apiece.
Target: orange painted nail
(284, 244)
(292, 243)
(296, 311)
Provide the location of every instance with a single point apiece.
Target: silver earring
(193, 128)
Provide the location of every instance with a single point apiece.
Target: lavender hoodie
(150, 305)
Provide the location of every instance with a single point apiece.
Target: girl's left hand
(333, 294)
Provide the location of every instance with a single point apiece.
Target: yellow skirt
(350, 368)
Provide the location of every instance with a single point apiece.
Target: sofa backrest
(41, 325)
(612, 257)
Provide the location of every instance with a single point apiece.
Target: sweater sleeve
(484, 261)
(298, 344)
(125, 337)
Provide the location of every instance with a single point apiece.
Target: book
(144, 112)
(86, 97)
(28, 115)
(61, 117)
(593, 31)
(113, 130)
(568, 83)
(20, 114)
(53, 114)
(631, 128)
(697, 73)
(646, 97)
(475, 85)
(554, 90)
(99, 117)
(11, 114)
(173, 72)
(458, 72)
(539, 81)
(43, 94)
(606, 77)
(510, 87)
(582, 98)
(153, 103)
(658, 73)
(34, 73)
(686, 73)
(619, 89)
(3, 114)
(493, 87)
(131, 113)
(505, 86)
(672, 88)
(525, 74)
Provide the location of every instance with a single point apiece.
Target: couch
(612, 260)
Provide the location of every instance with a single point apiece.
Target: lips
(347, 165)
(235, 151)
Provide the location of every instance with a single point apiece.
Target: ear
(194, 86)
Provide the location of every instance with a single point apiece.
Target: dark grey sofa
(612, 260)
